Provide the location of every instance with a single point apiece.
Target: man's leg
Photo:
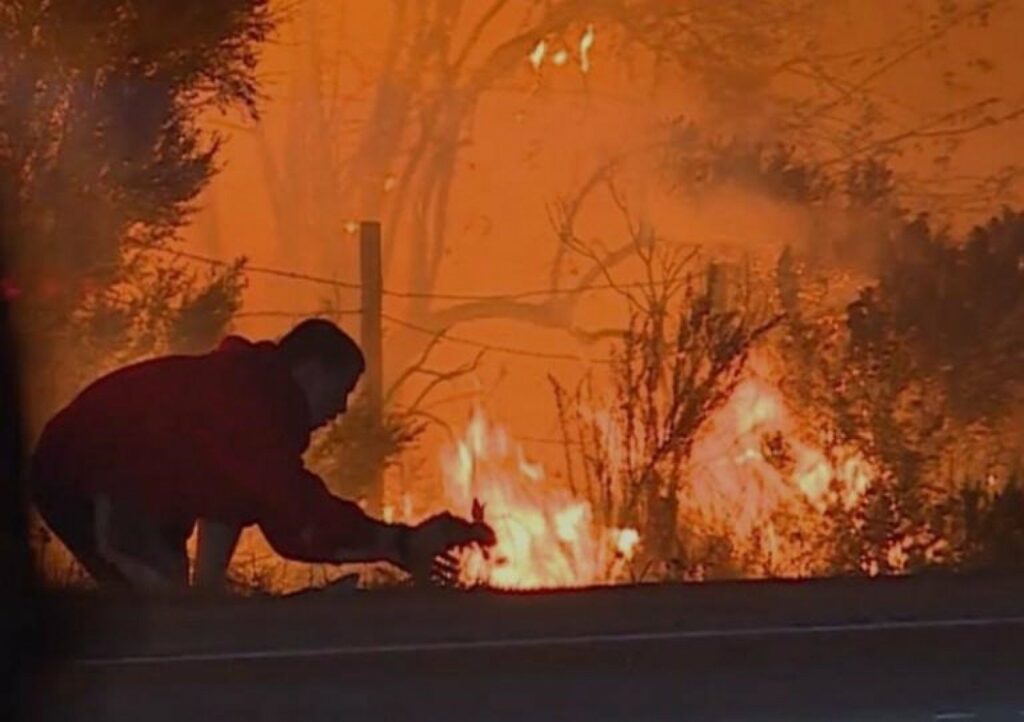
(72, 519)
(148, 556)
(217, 542)
(115, 543)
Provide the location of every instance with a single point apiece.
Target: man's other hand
(430, 546)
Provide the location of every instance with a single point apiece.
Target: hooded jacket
(217, 436)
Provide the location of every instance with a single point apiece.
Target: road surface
(900, 649)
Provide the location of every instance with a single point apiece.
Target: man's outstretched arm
(313, 525)
(308, 523)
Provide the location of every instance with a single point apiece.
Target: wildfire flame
(754, 456)
(545, 536)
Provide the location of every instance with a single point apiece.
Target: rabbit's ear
(478, 511)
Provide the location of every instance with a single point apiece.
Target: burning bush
(921, 374)
(547, 535)
(679, 362)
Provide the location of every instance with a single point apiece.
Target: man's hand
(428, 549)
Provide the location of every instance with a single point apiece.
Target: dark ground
(900, 649)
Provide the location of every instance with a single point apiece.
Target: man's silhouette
(126, 470)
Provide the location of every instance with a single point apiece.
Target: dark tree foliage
(101, 102)
(100, 109)
(924, 362)
(993, 526)
(958, 307)
(695, 160)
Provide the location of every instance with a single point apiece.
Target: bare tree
(442, 57)
(679, 361)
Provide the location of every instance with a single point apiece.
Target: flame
(546, 537)
(538, 53)
(626, 542)
(754, 458)
(586, 43)
(753, 454)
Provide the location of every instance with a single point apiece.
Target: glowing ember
(538, 53)
(586, 43)
(546, 537)
(626, 543)
(404, 513)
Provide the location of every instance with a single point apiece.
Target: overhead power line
(351, 285)
(265, 270)
(424, 330)
(299, 314)
(492, 347)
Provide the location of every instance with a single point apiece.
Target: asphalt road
(925, 649)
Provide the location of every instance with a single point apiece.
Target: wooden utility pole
(723, 278)
(370, 333)
(372, 298)
(716, 286)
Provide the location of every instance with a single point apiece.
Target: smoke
(740, 149)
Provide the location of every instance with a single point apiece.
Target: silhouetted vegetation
(104, 153)
(100, 128)
(923, 374)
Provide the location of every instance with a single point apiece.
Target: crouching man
(127, 469)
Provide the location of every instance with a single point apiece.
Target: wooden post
(370, 336)
(716, 286)
(722, 280)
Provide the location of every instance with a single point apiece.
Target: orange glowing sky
(532, 140)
